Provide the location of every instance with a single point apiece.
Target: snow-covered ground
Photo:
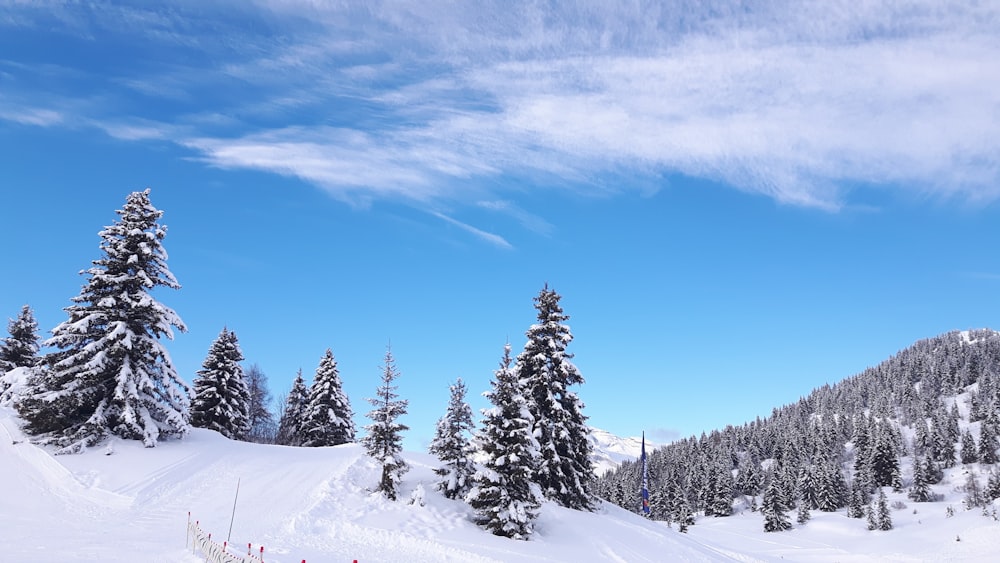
(314, 504)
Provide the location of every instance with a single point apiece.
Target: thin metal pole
(234, 510)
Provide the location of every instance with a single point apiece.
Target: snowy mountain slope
(300, 503)
(313, 504)
(609, 451)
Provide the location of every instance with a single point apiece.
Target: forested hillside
(897, 425)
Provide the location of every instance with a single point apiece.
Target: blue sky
(737, 203)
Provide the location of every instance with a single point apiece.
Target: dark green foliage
(857, 423)
(774, 508)
(883, 461)
(293, 414)
(504, 495)
(564, 469)
(327, 419)
(970, 452)
(111, 374)
(221, 396)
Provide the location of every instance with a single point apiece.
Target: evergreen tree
(858, 501)
(973, 492)
(20, 349)
(679, 509)
(451, 445)
(773, 508)
(883, 459)
(749, 478)
(111, 374)
(565, 469)
(221, 397)
(988, 440)
(384, 441)
(263, 428)
(883, 517)
(719, 499)
(808, 486)
(920, 491)
(832, 490)
(505, 496)
(293, 414)
(328, 418)
(992, 491)
(803, 515)
(871, 517)
(970, 453)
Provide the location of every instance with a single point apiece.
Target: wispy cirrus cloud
(491, 238)
(801, 102)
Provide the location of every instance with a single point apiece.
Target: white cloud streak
(801, 102)
(491, 238)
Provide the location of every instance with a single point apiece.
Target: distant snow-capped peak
(609, 451)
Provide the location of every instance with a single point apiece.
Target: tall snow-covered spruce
(505, 496)
(111, 374)
(384, 441)
(221, 396)
(328, 419)
(293, 413)
(451, 445)
(564, 469)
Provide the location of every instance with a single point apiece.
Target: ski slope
(300, 503)
(127, 503)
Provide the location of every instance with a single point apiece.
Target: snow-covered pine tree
(970, 452)
(719, 497)
(328, 419)
(803, 515)
(451, 445)
(883, 516)
(808, 486)
(988, 439)
(920, 490)
(565, 469)
(883, 462)
(678, 506)
(293, 413)
(263, 428)
(504, 494)
(832, 492)
(384, 441)
(20, 349)
(992, 490)
(111, 374)
(221, 397)
(773, 508)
